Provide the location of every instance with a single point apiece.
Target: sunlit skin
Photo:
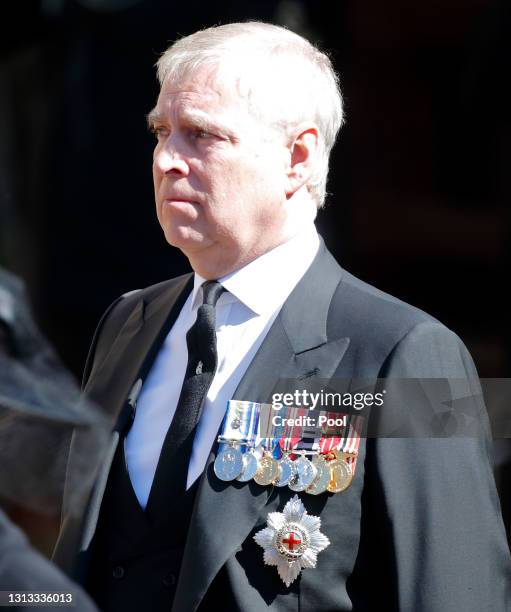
(227, 188)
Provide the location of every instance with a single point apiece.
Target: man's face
(219, 174)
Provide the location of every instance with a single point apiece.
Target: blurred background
(420, 184)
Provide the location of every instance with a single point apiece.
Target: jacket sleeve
(435, 495)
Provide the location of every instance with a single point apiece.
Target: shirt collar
(264, 284)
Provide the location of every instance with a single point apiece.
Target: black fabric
(135, 563)
(132, 548)
(172, 469)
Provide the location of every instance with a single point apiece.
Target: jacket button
(169, 580)
(118, 571)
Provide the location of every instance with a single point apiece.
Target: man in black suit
(245, 121)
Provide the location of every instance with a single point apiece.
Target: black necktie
(172, 470)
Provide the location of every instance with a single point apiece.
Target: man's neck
(300, 214)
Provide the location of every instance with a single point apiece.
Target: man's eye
(200, 134)
(159, 132)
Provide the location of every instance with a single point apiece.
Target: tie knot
(211, 291)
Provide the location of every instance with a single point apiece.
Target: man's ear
(303, 148)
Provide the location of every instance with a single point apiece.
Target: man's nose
(167, 160)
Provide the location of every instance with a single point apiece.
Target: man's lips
(185, 206)
(172, 198)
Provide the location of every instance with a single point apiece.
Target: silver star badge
(292, 540)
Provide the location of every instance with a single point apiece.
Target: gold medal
(268, 471)
(341, 474)
(339, 454)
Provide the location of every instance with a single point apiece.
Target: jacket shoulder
(117, 314)
(386, 332)
(368, 308)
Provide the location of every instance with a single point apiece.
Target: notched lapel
(320, 362)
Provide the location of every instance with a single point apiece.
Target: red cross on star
(290, 541)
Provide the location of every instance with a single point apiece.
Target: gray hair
(304, 85)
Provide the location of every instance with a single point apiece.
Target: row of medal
(331, 471)
(254, 447)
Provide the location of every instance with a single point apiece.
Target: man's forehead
(204, 80)
(196, 115)
(228, 81)
(194, 108)
(199, 95)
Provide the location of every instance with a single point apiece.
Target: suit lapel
(137, 344)
(129, 359)
(296, 347)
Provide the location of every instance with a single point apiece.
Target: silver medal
(250, 465)
(305, 474)
(288, 471)
(323, 476)
(228, 464)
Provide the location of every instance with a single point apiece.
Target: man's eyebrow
(197, 118)
(153, 117)
(203, 122)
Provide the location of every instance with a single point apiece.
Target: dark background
(419, 178)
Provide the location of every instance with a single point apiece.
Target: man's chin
(190, 242)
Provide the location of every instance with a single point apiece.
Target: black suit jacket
(419, 529)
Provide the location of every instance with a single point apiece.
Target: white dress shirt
(244, 314)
